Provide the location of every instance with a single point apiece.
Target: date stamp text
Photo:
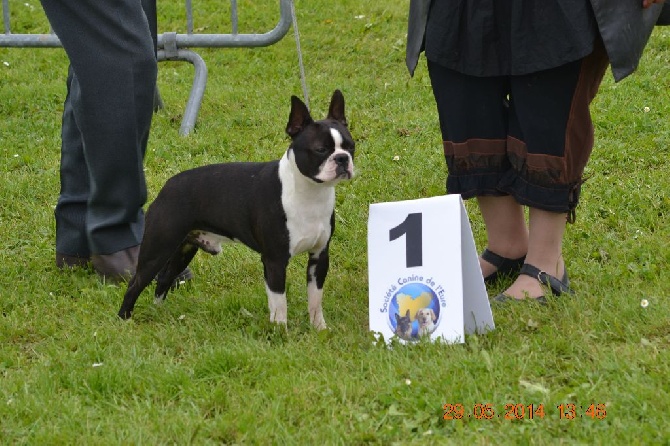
(511, 411)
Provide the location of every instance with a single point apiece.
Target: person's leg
(473, 122)
(506, 230)
(112, 55)
(545, 244)
(551, 137)
(70, 213)
(473, 115)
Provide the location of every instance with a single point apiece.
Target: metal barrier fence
(172, 46)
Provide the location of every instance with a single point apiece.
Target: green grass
(208, 367)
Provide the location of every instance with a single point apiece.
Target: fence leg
(197, 90)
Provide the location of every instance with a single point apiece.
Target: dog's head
(323, 150)
(403, 323)
(425, 316)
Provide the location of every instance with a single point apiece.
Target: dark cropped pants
(106, 121)
(527, 136)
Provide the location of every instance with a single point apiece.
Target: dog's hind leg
(177, 263)
(144, 275)
(275, 285)
(155, 251)
(147, 268)
(317, 269)
(135, 287)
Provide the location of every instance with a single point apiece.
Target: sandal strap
(499, 261)
(557, 287)
(504, 266)
(493, 258)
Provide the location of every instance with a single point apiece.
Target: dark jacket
(624, 26)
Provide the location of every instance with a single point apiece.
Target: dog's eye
(321, 150)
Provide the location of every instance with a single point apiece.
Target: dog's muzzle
(342, 161)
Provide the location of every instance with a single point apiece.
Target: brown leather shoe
(71, 261)
(118, 266)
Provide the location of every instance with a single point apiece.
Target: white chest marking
(308, 206)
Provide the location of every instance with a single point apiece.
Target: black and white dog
(277, 208)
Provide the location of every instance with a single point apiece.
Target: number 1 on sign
(411, 228)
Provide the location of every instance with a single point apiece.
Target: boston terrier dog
(278, 208)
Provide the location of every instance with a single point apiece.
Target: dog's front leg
(275, 286)
(317, 269)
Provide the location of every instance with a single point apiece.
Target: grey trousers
(106, 122)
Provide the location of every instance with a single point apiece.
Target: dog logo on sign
(414, 311)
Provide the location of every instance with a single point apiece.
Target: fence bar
(183, 40)
(173, 46)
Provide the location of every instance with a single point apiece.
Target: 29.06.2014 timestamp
(486, 411)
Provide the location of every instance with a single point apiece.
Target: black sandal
(506, 267)
(556, 286)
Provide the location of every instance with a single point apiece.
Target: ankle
(510, 251)
(552, 266)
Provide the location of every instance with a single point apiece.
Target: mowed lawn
(207, 367)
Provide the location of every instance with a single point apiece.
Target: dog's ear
(299, 118)
(336, 109)
(407, 313)
(432, 315)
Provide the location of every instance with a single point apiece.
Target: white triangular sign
(424, 275)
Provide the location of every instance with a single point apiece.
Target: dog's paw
(317, 320)
(279, 322)
(279, 326)
(319, 324)
(279, 317)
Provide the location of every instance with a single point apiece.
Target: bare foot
(527, 287)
